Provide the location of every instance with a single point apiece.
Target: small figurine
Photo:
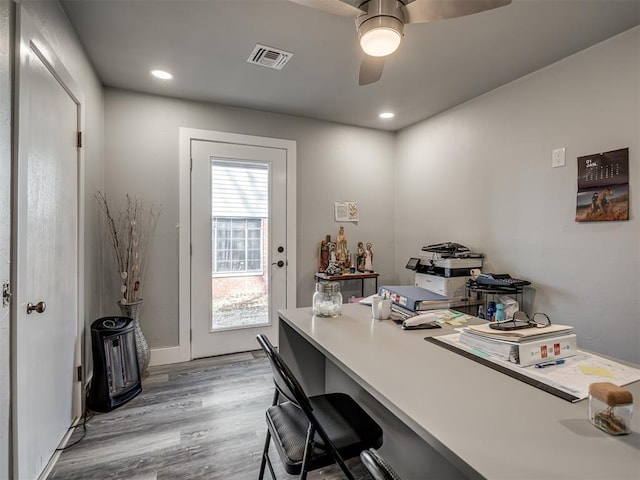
(332, 253)
(368, 258)
(341, 247)
(360, 257)
(322, 256)
(334, 267)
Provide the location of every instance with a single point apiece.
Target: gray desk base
(408, 453)
(428, 399)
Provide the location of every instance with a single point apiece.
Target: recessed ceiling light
(161, 74)
(387, 115)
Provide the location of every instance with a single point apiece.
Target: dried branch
(130, 233)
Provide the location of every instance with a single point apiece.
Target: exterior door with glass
(238, 241)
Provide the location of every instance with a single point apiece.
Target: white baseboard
(165, 355)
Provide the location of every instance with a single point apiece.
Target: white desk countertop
(483, 421)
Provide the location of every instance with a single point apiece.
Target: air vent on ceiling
(269, 57)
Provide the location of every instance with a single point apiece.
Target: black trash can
(116, 378)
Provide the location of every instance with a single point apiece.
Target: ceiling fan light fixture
(380, 36)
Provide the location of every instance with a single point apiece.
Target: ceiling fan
(380, 23)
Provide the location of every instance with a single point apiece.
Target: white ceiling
(206, 43)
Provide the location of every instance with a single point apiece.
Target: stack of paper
(522, 334)
(524, 347)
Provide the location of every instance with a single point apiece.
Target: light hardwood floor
(195, 420)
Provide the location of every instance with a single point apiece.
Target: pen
(548, 364)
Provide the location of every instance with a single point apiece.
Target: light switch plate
(557, 157)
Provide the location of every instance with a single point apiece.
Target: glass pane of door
(239, 234)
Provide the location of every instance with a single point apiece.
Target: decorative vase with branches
(129, 232)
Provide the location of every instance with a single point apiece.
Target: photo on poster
(609, 203)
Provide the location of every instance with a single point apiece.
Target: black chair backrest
(284, 379)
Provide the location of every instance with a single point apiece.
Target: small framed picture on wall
(603, 187)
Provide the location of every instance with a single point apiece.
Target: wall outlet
(557, 157)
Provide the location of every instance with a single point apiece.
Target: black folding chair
(312, 432)
(377, 466)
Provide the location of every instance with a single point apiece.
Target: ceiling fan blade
(335, 7)
(421, 11)
(370, 69)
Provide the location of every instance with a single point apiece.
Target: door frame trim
(182, 352)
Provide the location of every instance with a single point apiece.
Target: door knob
(38, 307)
(279, 263)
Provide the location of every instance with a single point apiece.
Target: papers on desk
(521, 335)
(569, 380)
(526, 346)
(451, 317)
(523, 353)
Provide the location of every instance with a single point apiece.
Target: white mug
(380, 307)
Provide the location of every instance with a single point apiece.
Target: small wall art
(346, 212)
(603, 187)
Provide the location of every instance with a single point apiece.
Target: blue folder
(414, 298)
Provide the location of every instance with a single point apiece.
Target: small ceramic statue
(368, 258)
(360, 257)
(333, 268)
(333, 258)
(322, 256)
(341, 247)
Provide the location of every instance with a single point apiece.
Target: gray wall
(487, 165)
(479, 174)
(335, 162)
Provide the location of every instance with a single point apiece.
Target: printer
(444, 268)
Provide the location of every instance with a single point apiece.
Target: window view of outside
(239, 237)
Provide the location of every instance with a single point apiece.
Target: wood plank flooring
(202, 419)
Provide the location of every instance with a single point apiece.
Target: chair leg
(344, 467)
(265, 451)
(265, 457)
(308, 450)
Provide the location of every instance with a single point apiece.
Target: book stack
(524, 347)
(413, 299)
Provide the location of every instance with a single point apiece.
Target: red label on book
(556, 349)
(543, 351)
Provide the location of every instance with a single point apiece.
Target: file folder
(414, 298)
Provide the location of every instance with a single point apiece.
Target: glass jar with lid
(610, 408)
(327, 300)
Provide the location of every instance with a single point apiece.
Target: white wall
(335, 162)
(480, 174)
(56, 29)
(5, 225)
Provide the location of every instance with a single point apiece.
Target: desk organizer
(610, 408)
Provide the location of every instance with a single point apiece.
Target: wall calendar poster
(603, 187)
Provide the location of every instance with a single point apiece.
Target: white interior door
(239, 245)
(46, 253)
